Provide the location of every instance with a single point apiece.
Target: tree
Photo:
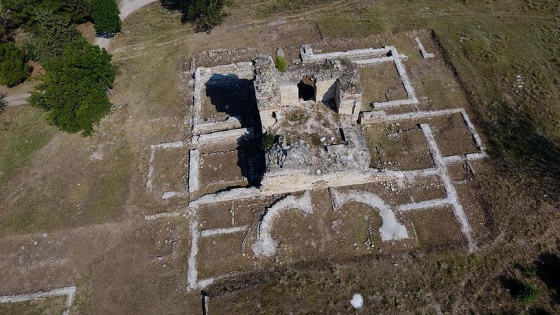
(203, 14)
(78, 10)
(105, 15)
(24, 12)
(54, 33)
(74, 89)
(13, 65)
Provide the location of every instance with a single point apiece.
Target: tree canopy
(105, 15)
(6, 25)
(13, 65)
(203, 14)
(24, 12)
(54, 33)
(74, 89)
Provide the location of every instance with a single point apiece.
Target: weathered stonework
(319, 144)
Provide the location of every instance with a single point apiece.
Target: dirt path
(18, 99)
(127, 9)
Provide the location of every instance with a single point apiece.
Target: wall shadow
(548, 270)
(233, 96)
(236, 98)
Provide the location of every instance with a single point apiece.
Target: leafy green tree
(54, 33)
(105, 15)
(14, 68)
(78, 10)
(24, 12)
(203, 14)
(74, 89)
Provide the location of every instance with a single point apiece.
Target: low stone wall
(271, 185)
(423, 51)
(308, 55)
(228, 135)
(372, 117)
(194, 166)
(230, 123)
(228, 195)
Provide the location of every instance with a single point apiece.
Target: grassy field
(23, 132)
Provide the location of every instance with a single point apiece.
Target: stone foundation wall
(289, 94)
(287, 183)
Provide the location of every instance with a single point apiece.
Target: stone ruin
(329, 88)
(332, 82)
(313, 111)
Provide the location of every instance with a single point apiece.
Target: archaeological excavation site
(280, 157)
(339, 155)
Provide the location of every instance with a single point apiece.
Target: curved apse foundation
(265, 246)
(390, 229)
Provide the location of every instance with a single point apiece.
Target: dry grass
(43, 306)
(88, 31)
(381, 83)
(489, 42)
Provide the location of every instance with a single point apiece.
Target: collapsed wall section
(267, 89)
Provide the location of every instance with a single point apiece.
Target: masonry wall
(326, 90)
(289, 94)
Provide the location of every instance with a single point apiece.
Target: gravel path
(18, 99)
(127, 8)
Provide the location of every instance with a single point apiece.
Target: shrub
(268, 141)
(13, 65)
(280, 63)
(526, 293)
(521, 291)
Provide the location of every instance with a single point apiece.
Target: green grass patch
(23, 131)
(352, 22)
(114, 185)
(280, 63)
(282, 6)
(165, 286)
(521, 291)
